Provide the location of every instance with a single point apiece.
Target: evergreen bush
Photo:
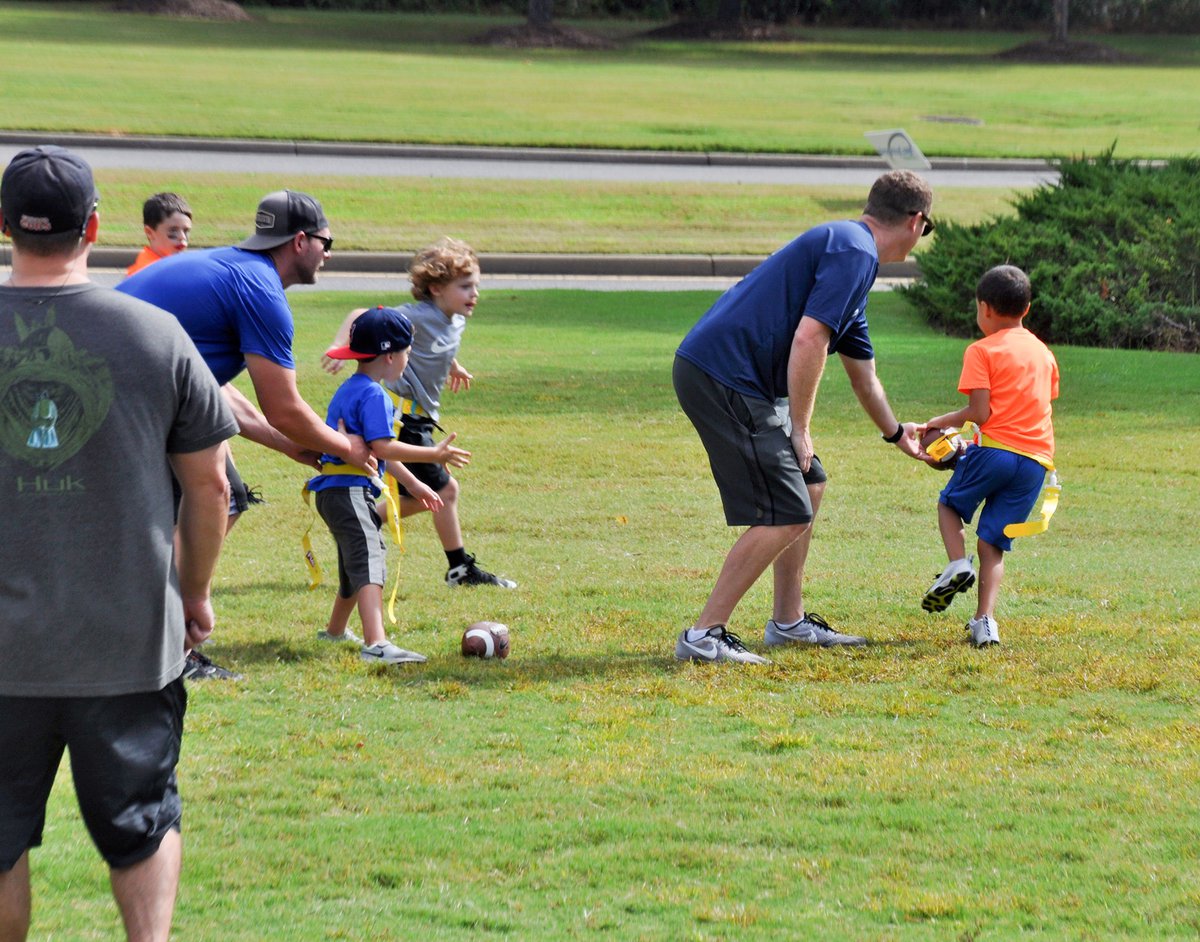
(1113, 251)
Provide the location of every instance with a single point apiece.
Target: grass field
(381, 215)
(590, 787)
(388, 77)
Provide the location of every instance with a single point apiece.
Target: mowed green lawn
(323, 75)
(591, 787)
(404, 214)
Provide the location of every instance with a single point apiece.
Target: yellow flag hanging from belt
(1048, 502)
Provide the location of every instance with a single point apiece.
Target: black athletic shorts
(749, 445)
(240, 496)
(418, 430)
(123, 753)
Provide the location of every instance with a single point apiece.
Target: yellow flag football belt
(1051, 490)
(391, 495)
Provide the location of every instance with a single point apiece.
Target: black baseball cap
(375, 331)
(47, 189)
(281, 215)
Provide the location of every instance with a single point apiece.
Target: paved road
(518, 163)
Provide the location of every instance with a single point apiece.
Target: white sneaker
(346, 635)
(387, 653)
(958, 576)
(716, 644)
(811, 629)
(983, 631)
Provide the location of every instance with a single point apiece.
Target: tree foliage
(1116, 15)
(1113, 252)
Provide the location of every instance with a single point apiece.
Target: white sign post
(898, 149)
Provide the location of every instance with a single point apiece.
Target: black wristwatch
(896, 436)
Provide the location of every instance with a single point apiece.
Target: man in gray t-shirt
(102, 399)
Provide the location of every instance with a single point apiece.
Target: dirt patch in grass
(553, 36)
(723, 32)
(224, 10)
(1050, 52)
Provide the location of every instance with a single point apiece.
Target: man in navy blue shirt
(747, 376)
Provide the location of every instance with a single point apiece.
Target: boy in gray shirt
(445, 282)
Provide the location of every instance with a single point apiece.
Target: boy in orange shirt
(1010, 378)
(167, 219)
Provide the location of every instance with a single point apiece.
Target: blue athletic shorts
(1007, 484)
(123, 751)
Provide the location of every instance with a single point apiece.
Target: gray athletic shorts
(349, 512)
(749, 449)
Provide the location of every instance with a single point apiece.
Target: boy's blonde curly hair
(440, 264)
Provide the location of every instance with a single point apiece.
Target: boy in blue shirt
(380, 339)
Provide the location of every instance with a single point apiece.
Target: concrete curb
(456, 152)
(629, 266)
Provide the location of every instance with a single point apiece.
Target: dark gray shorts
(749, 449)
(240, 496)
(123, 753)
(349, 512)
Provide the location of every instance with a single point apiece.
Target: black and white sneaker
(470, 574)
(716, 644)
(198, 667)
(958, 576)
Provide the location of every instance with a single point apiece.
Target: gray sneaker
(346, 635)
(983, 631)
(387, 653)
(811, 629)
(958, 576)
(716, 644)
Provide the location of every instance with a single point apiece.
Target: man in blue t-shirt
(231, 302)
(747, 375)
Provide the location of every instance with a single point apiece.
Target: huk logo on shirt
(53, 398)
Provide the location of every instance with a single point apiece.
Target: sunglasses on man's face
(327, 241)
(930, 225)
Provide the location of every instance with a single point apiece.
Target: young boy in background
(379, 339)
(167, 220)
(445, 282)
(1010, 379)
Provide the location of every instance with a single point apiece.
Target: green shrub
(1113, 252)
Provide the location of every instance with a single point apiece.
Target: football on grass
(946, 445)
(485, 639)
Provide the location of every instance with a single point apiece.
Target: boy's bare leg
(15, 901)
(991, 574)
(788, 604)
(145, 892)
(339, 616)
(445, 521)
(370, 611)
(951, 526)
